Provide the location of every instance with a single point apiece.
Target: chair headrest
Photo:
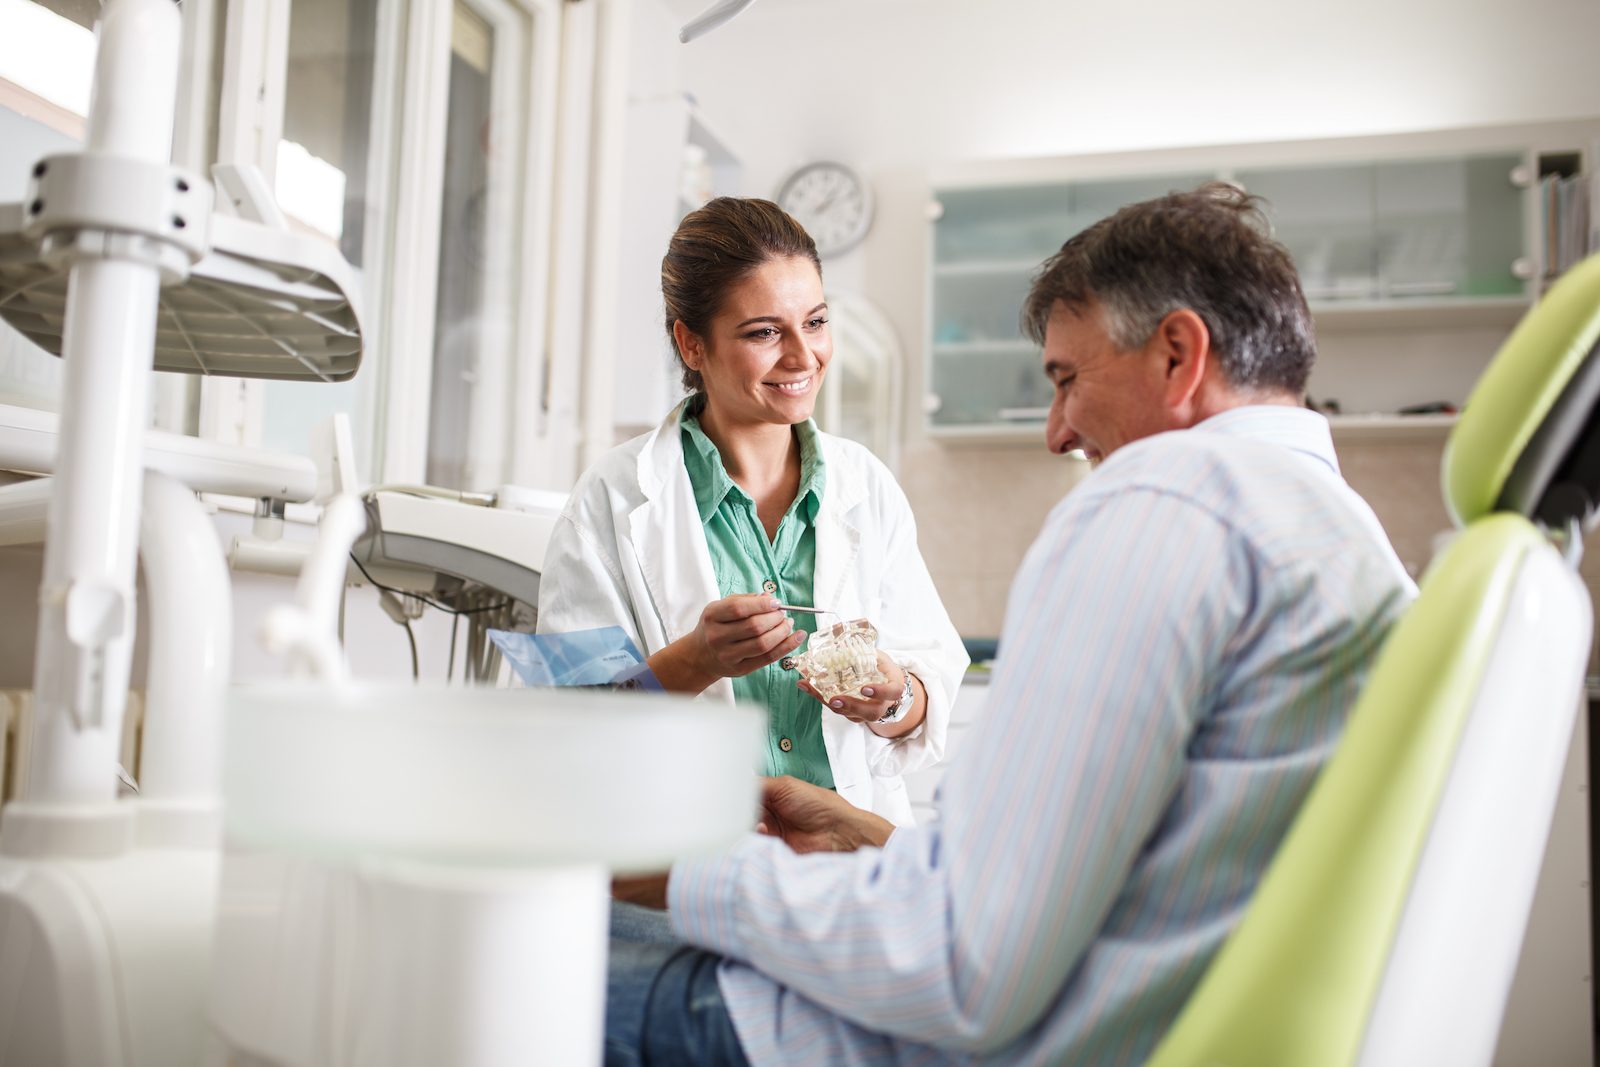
(1528, 439)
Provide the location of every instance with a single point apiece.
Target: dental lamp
(716, 15)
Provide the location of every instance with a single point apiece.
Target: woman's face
(767, 349)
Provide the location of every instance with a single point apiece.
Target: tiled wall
(978, 509)
(1400, 479)
(1401, 482)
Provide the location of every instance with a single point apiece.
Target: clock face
(832, 202)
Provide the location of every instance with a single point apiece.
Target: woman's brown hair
(716, 247)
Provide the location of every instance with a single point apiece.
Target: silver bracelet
(901, 706)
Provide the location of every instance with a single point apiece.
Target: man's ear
(1184, 343)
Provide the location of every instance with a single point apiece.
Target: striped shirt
(1181, 647)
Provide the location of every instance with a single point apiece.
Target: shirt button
(769, 587)
(785, 744)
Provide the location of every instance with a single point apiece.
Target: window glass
(327, 118)
(46, 68)
(459, 322)
(474, 319)
(321, 179)
(46, 56)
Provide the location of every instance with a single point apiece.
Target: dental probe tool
(787, 663)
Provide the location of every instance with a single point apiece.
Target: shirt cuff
(702, 895)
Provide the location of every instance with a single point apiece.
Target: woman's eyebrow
(778, 318)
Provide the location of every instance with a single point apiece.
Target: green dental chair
(1387, 930)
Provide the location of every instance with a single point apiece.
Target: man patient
(1181, 647)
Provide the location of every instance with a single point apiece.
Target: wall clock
(832, 201)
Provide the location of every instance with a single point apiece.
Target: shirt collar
(711, 491)
(1297, 429)
(812, 477)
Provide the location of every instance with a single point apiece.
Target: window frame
(406, 311)
(405, 180)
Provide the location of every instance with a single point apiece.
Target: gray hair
(1209, 251)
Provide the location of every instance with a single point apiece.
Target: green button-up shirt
(745, 562)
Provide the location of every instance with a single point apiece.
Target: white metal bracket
(105, 206)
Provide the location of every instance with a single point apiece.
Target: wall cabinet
(1370, 237)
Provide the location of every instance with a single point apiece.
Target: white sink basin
(487, 777)
(416, 877)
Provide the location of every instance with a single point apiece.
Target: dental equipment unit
(412, 875)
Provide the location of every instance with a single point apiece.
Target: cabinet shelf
(1386, 427)
(967, 269)
(1346, 429)
(978, 348)
(990, 435)
(1341, 316)
(1419, 314)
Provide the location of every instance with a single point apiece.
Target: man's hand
(812, 819)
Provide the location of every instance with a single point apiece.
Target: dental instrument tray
(262, 303)
(841, 659)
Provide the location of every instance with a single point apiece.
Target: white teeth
(792, 388)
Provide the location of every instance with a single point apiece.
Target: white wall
(895, 82)
(897, 86)
(652, 155)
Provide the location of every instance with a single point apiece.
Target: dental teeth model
(841, 659)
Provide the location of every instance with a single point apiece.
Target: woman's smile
(798, 387)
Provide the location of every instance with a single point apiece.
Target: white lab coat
(630, 551)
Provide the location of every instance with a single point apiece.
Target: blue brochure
(602, 657)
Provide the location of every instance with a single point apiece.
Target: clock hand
(838, 190)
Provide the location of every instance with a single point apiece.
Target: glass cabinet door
(1325, 216)
(1407, 229)
(1449, 227)
(988, 245)
(1378, 233)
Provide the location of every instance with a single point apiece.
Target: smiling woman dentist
(690, 536)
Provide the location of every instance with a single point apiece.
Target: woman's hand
(873, 703)
(741, 634)
(736, 635)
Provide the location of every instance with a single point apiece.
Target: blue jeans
(663, 1007)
